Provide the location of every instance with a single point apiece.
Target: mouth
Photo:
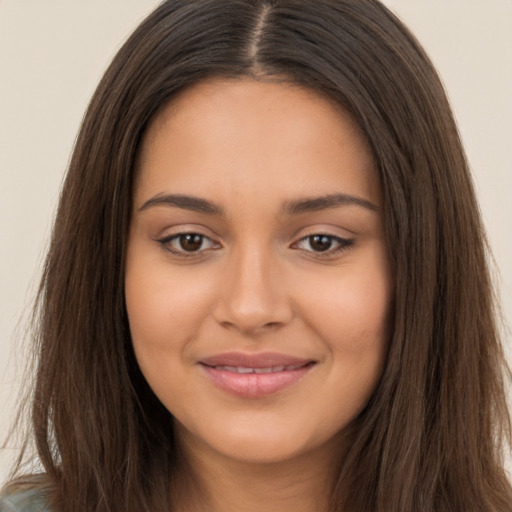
(255, 375)
(269, 369)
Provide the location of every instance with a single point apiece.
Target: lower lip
(255, 385)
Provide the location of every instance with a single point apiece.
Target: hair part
(430, 437)
(253, 46)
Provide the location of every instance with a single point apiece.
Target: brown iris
(320, 243)
(191, 242)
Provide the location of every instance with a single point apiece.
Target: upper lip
(258, 360)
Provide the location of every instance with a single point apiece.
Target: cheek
(352, 311)
(154, 307)
(354, 322)
(165, 312)
(166, 307)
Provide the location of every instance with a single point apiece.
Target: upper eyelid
(215, 238)
(166, 242)
(186, 229)
(330, 235)
(174, 236)
(337, 238)
(333, 232)
(334, 228)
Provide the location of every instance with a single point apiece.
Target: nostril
(250, 327)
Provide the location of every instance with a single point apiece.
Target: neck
(215, 483)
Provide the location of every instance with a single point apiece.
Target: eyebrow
(295, 207)
(314, 204)
(195, 204)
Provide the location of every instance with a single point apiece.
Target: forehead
(269, 137)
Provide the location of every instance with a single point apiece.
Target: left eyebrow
(184, 202)
(315, 204)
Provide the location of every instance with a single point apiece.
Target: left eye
(323, 243)
(187, 243)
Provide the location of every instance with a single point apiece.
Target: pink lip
(255, 385)
(258, 360)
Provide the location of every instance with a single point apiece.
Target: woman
(267, 284)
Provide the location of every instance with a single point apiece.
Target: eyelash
(166, 243)
(343, 244)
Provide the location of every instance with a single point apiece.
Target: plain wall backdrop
(53, 53)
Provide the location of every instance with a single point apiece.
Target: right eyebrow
(184, 202)
(314, 204)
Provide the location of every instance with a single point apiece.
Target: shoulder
(24, 501)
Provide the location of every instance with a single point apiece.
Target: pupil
(191, 242)
(320, 243)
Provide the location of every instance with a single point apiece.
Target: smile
(254, 375)
(270, 369)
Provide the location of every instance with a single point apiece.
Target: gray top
(26, 501)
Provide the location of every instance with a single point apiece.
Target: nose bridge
(253, 294)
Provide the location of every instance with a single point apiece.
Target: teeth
(264, 370)
(270, 369)
(240, 369)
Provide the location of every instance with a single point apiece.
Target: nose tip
(249, 319)
(253, 298)
(250, 328)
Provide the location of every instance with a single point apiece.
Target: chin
(261, 444)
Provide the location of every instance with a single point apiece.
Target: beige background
(53, 53)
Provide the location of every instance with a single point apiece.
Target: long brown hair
(430, 438)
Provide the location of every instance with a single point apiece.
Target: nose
(253, 298)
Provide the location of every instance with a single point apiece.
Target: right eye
(186, 244)
(324, 244)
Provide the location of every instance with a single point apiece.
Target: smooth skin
(257, 227)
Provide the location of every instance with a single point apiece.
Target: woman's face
(258, 286)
